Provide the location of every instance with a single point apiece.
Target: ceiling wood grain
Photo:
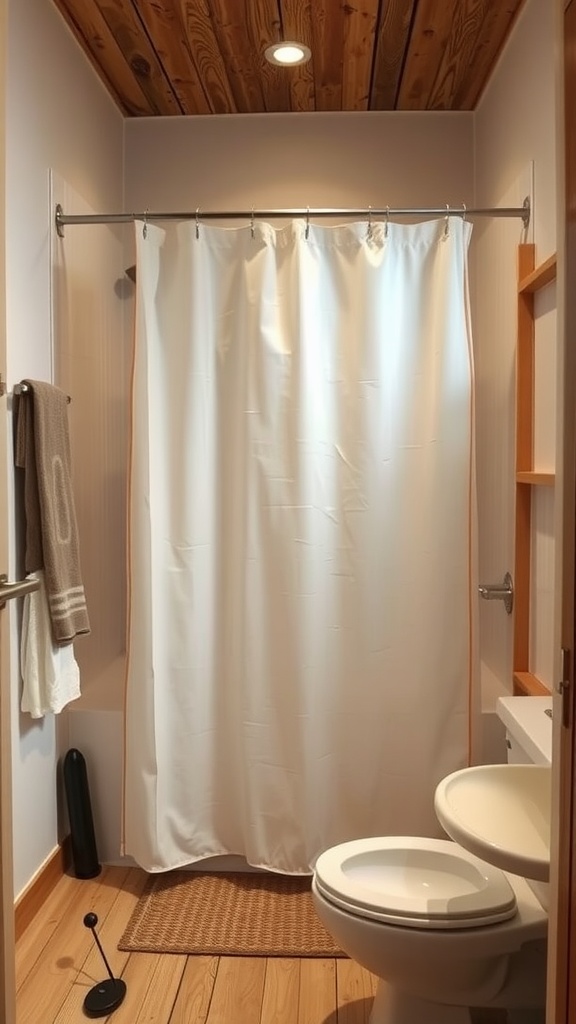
(166, 24)
(391, 44)
(297, 24)
(171, 57)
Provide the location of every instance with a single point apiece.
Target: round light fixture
(288, 54)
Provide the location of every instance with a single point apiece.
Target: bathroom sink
(500, 812)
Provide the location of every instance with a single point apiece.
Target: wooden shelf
(530, 280)
(535, 479)
(528, 685)
(539, 277)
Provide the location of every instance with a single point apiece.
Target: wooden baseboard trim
(29, 902)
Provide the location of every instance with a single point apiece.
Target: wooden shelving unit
(530, 280)
(538, 277)
(528, 685)
(535, 479)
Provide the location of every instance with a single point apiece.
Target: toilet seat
(414, 882)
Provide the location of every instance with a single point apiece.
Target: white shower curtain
(301, 538)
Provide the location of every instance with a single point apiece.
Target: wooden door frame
(7, 942)
(564, 960)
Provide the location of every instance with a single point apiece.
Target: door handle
(18, 588)
(563, 687)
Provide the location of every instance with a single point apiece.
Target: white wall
(280, 160)
(59, 117)
(515, 120)
(90, 295)
(515, 148)
(515, 142)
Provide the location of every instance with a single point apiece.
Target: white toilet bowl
(443, 930)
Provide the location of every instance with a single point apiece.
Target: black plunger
(84, 853)
(106, 996)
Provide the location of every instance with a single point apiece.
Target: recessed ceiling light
(288, 54)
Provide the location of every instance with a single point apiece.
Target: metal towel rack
(23, 389)
(18, 588)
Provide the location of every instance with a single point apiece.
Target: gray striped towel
(43, 452)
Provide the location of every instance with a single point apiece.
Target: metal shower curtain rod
(62, 219)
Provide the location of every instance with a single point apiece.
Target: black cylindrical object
(84, 853)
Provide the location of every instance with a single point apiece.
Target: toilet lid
(414, 882)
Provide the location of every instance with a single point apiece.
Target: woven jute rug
(227, 914)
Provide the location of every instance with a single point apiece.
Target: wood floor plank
(355, 992)
(195, 992)
(58, 962)
(238, 990)
(44, 989)
(33, 940)
(139, 976)
(281, 991)
(109, 933)
(62, 900)
(161, 995)
(317, 991)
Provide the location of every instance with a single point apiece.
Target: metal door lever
(16, 589)
(499, 592)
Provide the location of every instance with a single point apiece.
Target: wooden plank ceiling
(170, 57)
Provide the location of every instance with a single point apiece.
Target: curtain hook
(145, 228)
(387, 224)
(463, 211)
(447, 222)
(252, 224)
(369, 228)
(197, 222)
(307, 231)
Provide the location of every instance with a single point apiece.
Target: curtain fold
(301, 538)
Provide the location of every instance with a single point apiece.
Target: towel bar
(22, 389)
(16, 589)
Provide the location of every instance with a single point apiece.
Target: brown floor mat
(227, 914)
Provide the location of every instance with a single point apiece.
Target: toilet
(442, 930)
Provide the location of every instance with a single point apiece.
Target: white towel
(50, 674)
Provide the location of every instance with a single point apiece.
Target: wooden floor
(57, 963)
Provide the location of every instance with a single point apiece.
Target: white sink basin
(500, 812)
